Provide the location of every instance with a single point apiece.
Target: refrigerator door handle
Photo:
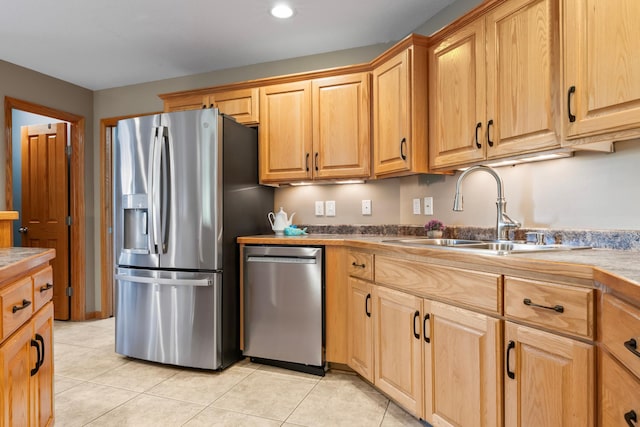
(155, 192)
(165, 193)
(164, 281)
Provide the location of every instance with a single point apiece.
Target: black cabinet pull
(557, 308)
(572, 90)
(25, 304)
(424, 327)
(306, 162)
(316, 161)
(35, 344)
(40, 339)
(511, 374)
(355, 264)
(631, 418)
(489, 141)
(46, 287)
(478, 127)
(366, 305)
(416, 315)
(632, 346)
(403, 144)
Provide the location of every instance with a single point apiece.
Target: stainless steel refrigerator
(185, 186)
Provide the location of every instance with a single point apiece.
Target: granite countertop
(579, 263)
(17, 260)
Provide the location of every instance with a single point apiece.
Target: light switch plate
(366, 207)
(416, 206)
(319, 208)
(428, 205)
(330, 207)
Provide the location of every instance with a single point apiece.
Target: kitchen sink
(481, 246)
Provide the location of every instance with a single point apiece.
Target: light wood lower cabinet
(620, 394)
(549, 379)
(360, 328)
(462, 367)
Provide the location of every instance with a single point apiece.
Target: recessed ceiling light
(282, 11)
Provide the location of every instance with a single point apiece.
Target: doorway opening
(53, 138)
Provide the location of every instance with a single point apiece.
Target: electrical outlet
(319, 208)
(428, 205)
(416, 206)
(330, 207)
(366, 207)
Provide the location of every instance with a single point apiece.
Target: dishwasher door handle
(282, 260)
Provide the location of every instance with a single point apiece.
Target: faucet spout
(503, 221)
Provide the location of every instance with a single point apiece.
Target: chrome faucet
(503, 222)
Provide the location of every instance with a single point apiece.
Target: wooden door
(241, 104)
(602, 65)
(619, 396)
(391, 115)
(360, 328)
(285, 132)
(549, 379)
(42, 390)
(465, 378)
(398, 347)
(341, 137)
(16, 361)
(457, 100)
(523, 77)
(45, 202)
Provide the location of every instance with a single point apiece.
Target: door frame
(77, 249)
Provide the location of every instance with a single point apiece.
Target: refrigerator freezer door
(191, 190)
(169, 317)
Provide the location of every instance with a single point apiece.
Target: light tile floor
(94, 386)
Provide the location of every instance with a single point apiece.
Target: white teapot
(280, 221)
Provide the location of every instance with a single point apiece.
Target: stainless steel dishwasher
(283, 306)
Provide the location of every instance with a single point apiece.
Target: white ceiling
(99, 44)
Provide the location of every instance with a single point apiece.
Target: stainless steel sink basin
(491, 247)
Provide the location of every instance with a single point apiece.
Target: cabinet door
(391, 120)
(602, 67)
(360, 328)
(463, 385)
(620, 398)
(285, 132)
(16, 358)
(523, 77)
(241, 104)
(42, 388)
(398, 347)
(549, 379)
(457, 128)
(187, 102)
(341, 139)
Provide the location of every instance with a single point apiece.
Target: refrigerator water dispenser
(135, 224)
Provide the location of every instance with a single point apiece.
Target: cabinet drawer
(620, 328)
(562, 308)
(360, 264)
(480, 290)
(17, 305)
(619, 394)
(42, 287)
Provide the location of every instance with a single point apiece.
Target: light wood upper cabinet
(316, 129)
(241, 104)
(285, 133)
(495, 86)
(549, 379)
(462, 365)
(602, 70)
(400, 113)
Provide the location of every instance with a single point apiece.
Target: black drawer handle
(416, 315)
(478, 127)
(489, 141)
(46, 287)
(403, 144)
(631, 418)
(366, 305)
(25, 304)
(511, 374)
(632, 346)
(557, 308)
(355, 264)
(424, 327)
(572, 90)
